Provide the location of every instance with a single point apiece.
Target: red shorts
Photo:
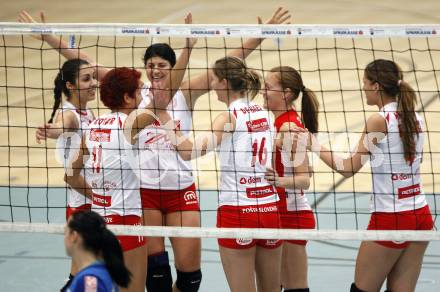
(169, 201)
(71, 210)
(262, 216)
(298, 220)
(127, 242)
(420, 219)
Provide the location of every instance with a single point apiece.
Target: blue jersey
(94, 278)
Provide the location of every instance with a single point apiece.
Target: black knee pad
(354, 288)
(159, 278)
(189, 281)
(297, 290)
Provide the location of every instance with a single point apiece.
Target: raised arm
(59, 44)
(279, 16)
(195, 87)
(141, 118)
(375, 130)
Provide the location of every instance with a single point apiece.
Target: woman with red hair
(109, 143)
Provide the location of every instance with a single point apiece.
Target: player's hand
(272, 177)
(280, 16)
(25, 17)
(41, 133)
(300, 137)
(48, 131)
(190, 42)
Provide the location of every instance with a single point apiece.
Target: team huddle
(132, 166)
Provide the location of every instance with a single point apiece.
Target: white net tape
(227, 30)
(268, 233)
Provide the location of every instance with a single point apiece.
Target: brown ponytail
(408, 124)
(239, 77)
(57, 91)
(290, 78)
(309, 110)
(390, 78)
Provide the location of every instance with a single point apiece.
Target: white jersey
(69, 143)
(162, 166)
(397, 184)
(112, 173)
(244, 155)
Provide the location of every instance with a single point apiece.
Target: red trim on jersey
(289, 116)
(82, 113)
(286, 117)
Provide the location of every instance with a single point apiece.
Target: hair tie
(303, 88)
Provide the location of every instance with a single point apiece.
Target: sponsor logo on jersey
(250, 180)
(401, 176)
(102, 201)
(264, 209)
(259, 125)
(109, 185)
(259, 192)
(408, 192)
(251, 109)
(272, 242)
(100, 135)
(104, 121)
(243, 241)
(190, 197)
(90, 284)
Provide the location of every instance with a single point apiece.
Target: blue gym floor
(37, 262)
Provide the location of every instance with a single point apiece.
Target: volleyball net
(331, 60)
